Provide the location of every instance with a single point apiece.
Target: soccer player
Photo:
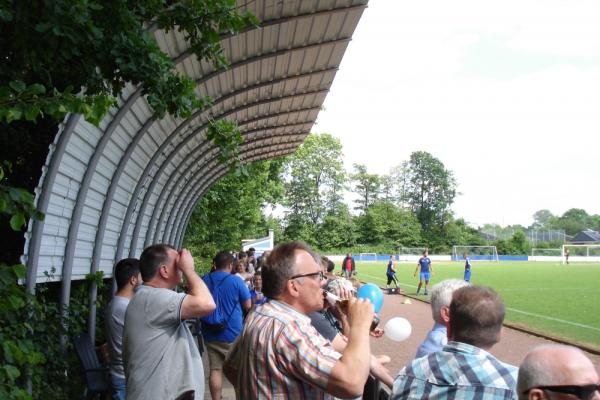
(567, 256)
(426, 270)
(391, 274)
(467, 267)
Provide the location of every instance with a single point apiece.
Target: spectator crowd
(282, 325)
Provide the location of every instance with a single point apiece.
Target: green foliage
(429, 189)
(366, 186)
(232, 210)
(384, 222)
(227, 137)
(77, 55)
(15, 202)
(314, 178)
(29, 332)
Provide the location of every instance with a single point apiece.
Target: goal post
(580, 253)
(367, 256)
(410, 253)
(476, 253)
(554, 252)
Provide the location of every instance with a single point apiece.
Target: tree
(337, 230)
(429, 189)
(542, 218)
(575, 220)
(366, 186)
(384, 222)
(314, 175)
(74, 56)
(232, 209)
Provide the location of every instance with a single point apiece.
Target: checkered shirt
(458, 371)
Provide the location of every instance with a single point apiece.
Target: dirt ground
(511, 349)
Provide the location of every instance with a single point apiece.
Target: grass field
(551, 298)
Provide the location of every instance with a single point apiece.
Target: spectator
(160, 354)
(223, 326)
(280, 354)
(348, 266)
(441, 296)
(256, 295)
(127, 277)
(463, 369)
(557, 372)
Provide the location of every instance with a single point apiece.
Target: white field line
(554, 319)
(519, 311)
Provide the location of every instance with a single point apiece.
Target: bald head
(554, 365)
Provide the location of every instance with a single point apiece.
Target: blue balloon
(373, 293)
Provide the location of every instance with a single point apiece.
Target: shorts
(391, 278)
(425, 276)
(468, 276)
(217, 351)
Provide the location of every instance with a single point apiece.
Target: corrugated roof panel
(181, 165)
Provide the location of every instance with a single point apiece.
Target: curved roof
(110, 191)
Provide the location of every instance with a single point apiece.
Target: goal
(367, 256)
(546, 252)
(581, 252)
(476, 253)
(410, 253)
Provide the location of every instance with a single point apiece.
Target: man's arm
(351, 371)
(246, 305)
(416, 269)
(199, 302)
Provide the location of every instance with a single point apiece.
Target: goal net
(410, 253)
(580, 253)
(535, 252)
(367, 256)
(476, 253)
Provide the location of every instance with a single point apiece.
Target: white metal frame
(457, 255)
(574, 257)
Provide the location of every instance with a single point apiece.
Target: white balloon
(398, 329)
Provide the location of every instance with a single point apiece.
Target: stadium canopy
(109, 191)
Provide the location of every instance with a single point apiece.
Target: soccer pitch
(547, 297)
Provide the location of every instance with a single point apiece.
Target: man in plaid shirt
(463, 369)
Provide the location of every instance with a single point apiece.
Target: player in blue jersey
(426, 270)
(467, 267)
(391, 275)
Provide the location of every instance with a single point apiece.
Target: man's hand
(376, 333)
(185, 261)
(360, 312)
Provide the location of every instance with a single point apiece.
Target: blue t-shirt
(253, 297)
(424, 262)
(390, 266)
(232, 292)
(467, 264)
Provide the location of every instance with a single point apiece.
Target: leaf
(36, 89)
(32, 112)
(17, 85)
(13, 115)
(12, 372)
(17, 221)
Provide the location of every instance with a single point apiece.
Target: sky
(506, 94)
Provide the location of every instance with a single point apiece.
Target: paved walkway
(511, 349)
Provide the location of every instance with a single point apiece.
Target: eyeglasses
(320, 274)
(584, 392)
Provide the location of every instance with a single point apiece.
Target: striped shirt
(280, 355)
(458, 371)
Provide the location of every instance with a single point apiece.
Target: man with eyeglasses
(557, 372)
(280, 354)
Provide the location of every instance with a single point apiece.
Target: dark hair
(476, 316)
(124, 270)
(222, 260)
(152, 257)
(280, 266)
(327, 263)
